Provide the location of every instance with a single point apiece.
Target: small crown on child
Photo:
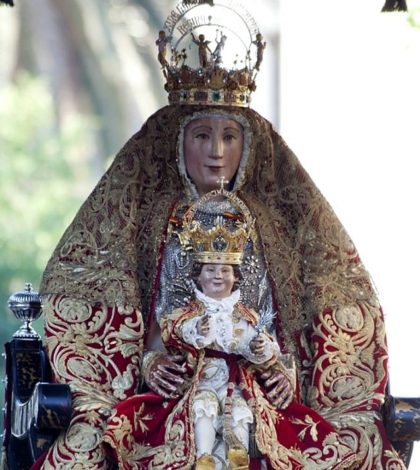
(219, 244)
(216, 51)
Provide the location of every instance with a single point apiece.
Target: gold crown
(219, 244)
(216, 52)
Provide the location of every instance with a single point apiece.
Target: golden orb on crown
(210, 52)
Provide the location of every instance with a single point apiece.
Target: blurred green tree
(42, 183)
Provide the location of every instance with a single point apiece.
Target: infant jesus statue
(226, 331)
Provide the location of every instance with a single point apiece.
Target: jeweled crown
(216, 51)
(220, 244)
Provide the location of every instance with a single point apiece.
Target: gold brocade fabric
(110, 252)
(108, 261)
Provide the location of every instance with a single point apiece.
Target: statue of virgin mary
(119, 269)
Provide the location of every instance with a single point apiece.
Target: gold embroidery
(349, 372)
(308, 425)
(140, 419)
(97, 350)
(109, 254)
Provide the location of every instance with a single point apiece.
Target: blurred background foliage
(42, 181)
(69, 98)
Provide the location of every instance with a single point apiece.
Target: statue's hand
(257, 345)
(281, 391)
(163, 373)
(203, 326)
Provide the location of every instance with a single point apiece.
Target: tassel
(7, 2)
(254, 452)
(394, 5)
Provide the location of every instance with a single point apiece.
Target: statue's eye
(202, 136)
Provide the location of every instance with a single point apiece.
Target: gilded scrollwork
(350, 358)
(103, 274)
(349, 376)
(97, 350)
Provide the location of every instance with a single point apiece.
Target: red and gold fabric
(97, 351)
(349, 377)
(148, 432)
(102, 280)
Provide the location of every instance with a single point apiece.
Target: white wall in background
(350, 109)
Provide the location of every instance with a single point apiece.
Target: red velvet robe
(147, 431)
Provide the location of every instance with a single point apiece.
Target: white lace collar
(226, 303)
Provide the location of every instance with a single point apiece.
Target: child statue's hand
(203, 326)
(257, 345)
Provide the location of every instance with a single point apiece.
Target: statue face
(212, 149)
(216, 280)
